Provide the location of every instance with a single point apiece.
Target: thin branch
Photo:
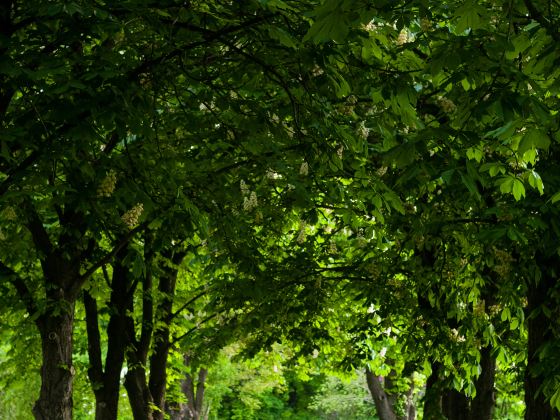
(38, 232)
(208, 38)
(17, 173)
(22, 290)
(147, 301)
(112, 143)
(183, 307)
(95, 372)
(193, 329)
(106, 275)
(107, 257)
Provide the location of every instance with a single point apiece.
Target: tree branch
(208, 37)
(38, 232)
(193, 329)
(6, 273)
(107, 257)
(147, 301)
(95, 372)
(183, 307)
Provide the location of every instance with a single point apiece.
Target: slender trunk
(106, 383)
(57, 372)
(135, 382)
(147, 399)
(195, 399)
(158, 359)
(432, 399)
(194, 393)
(158, 371)
(138, 393)
(410, 408)
(200, 389)
(382, 404)
(107, 397)
(482, 406)
(537, 406)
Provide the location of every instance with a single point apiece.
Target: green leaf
(555, 197)
(475, 153)
(331, 27)
(471, 185)
(469, 16)
(394, 201)
(518, 189)
(533, 139)
(275, 5)
(514, 324)
(506, 184)
(493, 169)
(555, 399)
(535, 181)
(505, 314)
(370, 49)
(282, 36)
(503, 132)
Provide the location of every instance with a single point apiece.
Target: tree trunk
(158, 360)
(537, 406)
(482, 406)
(194, 394)
(57, 372)
(135, 382)
(432, 399)
(195, 400)
(410, 408)
(138, 393)
(106, 383)
(382, 404)
(388, 386)
(455, 405)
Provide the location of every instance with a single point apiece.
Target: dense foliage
(326, 189)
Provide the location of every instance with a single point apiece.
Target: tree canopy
(346, 185)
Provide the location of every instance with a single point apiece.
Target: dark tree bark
(455, 405)
(138, 393)
(200, 389)
(380, 398)
(538, 326)
(158, 359)
(136, 382)
(433, 397)
(482, 406)
(144, 394)
(441, 402)
(60, 267)
(106, 383)
(57, 372)
(388, 387)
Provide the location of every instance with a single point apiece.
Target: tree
(375, 146)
